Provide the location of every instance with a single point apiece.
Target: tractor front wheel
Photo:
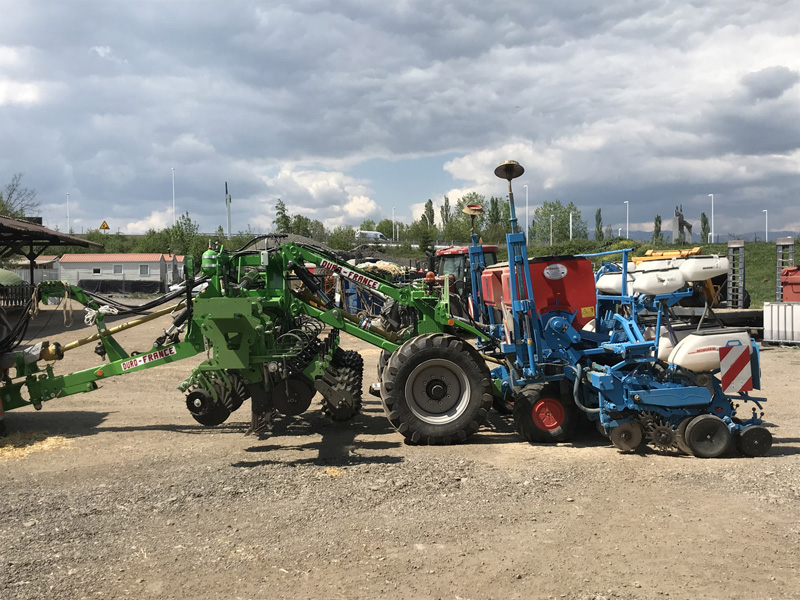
(435, 390)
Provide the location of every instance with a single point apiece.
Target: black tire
(348, 381)
(680, 436)
(754, 441)
(383, 360)
(204, 410)
(504, 405)
(708, 436)
(419, 383)
(542, 415)
(348, 358)
(216, 415)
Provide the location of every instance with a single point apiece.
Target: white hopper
(664, 281)
(611, 283)
(659, 264)
(665, 344)
(699, 352)
(700, 268)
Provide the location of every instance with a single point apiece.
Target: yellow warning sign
(104, 226)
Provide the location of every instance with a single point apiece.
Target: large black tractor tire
(383, 360)
(542, 416)
(435, 390)
(503, 405)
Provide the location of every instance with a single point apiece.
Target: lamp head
(509, 169)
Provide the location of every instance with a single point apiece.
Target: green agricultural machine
(269, 325)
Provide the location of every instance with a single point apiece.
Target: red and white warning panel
(734, 365)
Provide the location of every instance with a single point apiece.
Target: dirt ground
(137, 500)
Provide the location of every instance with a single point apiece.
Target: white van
(375, 237)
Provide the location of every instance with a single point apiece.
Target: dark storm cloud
(770, 83)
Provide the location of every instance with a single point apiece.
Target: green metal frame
(239, 325)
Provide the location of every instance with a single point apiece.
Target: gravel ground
(140, 501)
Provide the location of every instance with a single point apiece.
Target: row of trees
(451, 224)
(550, 224)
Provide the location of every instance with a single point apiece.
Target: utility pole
(228, 206)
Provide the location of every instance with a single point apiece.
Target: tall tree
(425, 237)
(342, 238)
(495, 215)
(318, 231)
(385, 227)
(301, 225)
(17, 201)
(282, 222)
(658, 237)
(445, 212)
(598, 225)
(429, 214)
(558, 214)
(183, 238)
(367, 225)
(705, 228)
(458, 229)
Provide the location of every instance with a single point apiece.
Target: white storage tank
(782, 322)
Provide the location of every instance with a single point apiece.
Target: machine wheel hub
(548, 414)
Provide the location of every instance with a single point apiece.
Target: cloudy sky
(347, 109)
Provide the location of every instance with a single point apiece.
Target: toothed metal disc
(662, 437)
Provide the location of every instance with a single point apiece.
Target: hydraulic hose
(575, 394)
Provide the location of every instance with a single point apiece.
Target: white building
(147, 273)
(45, 268)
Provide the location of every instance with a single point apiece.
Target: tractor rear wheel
(541, 414)
(435, 390)
(383, 360)
(708, 436)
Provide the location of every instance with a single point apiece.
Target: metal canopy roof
(31, 239)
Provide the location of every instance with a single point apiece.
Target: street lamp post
(627, 221)
(527, 216)
(393, 236)
(570, 225)
(766, 224)
(173, 196)
(68, 212)
(551, 230)
(712, 217)
(619, 231)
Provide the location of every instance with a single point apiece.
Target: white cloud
(15, 92)
(155, 220)
(101, 51)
